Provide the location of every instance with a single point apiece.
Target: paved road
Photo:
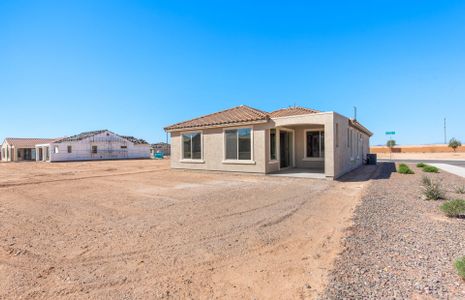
(459, 163)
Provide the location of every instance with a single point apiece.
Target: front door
(285, 148)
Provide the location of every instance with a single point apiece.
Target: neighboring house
(160, 147)
(245, 139)
(93, 145)
(20, 149)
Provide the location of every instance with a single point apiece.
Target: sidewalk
(460, 171)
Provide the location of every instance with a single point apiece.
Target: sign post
(389, 135)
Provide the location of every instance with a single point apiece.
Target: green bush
(421, 165)
(453, 208)
(404, 169)
(460, 267)
(430, 169)
(432, 190)
(460, 189)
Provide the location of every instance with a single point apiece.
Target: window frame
(237, 160)
(181, 140)
(276, 132)
(322, 153)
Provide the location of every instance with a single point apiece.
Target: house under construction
(93, 145)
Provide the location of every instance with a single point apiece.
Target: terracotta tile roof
(239, 114)
(292, 111)
(27, 142)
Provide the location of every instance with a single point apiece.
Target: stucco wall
(351, 150)
(213, 152)
(4, 148)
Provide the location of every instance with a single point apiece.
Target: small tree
(391, 143)
(454, 143)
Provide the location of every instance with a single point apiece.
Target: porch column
(330, 147)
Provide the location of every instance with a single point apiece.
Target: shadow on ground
(382, 170)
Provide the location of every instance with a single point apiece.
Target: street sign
(390, 132)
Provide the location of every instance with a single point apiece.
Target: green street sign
(390, 132)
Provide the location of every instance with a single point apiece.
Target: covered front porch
(43, 152)
(298, 151)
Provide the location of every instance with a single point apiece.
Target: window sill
(313, 159)
(273, 161)
(239, 162)
(192, 161)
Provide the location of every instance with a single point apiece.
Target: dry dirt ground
(424, 156)
(138, 230)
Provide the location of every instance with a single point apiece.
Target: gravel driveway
(400, 246)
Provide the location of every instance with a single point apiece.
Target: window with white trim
(315, 144)
(272, 144)
(238, 144)
(192, 145)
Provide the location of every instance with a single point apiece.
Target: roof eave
(168, 129)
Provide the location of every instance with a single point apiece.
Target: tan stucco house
(20, 149)
(245, 139)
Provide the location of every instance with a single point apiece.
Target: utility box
(371, 159)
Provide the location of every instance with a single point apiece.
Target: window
(70, 149)
(238, 144)
(191, 145)
(94, 149)
(272, 144)
(315, 144)
(124, 147)
(56, 149)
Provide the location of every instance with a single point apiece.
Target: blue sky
(136, 66)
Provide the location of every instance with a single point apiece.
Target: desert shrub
(426, 181)
(404, 169)
(453, 208)
(430, 169)
(421, 165)
(460, 189)
(460, 267)
(433, 190)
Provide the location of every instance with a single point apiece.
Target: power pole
(445, 131)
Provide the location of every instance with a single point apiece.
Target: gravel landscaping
(401, 246)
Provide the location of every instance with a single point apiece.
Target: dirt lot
(136, 229)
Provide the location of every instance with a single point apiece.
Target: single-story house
(93, 145)
(246, 139)
(21, 149)
(160, 147)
